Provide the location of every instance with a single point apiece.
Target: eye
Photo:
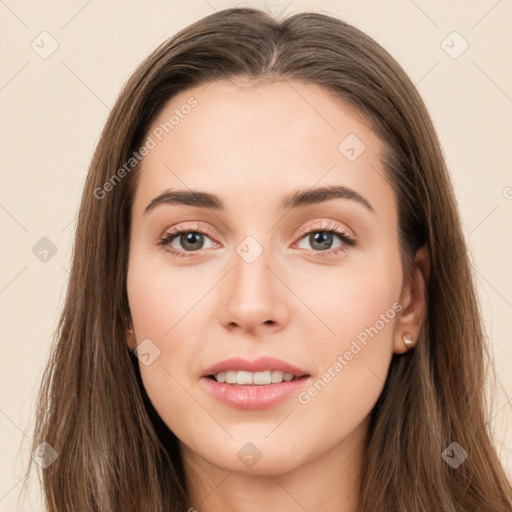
(191, 238)
(321, 239)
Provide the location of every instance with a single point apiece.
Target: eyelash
(332, 228)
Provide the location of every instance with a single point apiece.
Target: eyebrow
(297, 199)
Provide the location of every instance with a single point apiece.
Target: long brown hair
(114, 453)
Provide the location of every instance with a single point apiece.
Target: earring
(408, 340)
(130, 330)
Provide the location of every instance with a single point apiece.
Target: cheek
(159, 299)
(353, 301)
(166, 312)
(360, 309)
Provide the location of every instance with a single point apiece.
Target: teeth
(242, 378)
(277, 376)
(261, 378)
(221, 377)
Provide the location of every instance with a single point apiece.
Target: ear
(412, 298)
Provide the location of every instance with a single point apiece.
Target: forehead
(254, 142)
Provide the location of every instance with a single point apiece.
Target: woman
(321, 347)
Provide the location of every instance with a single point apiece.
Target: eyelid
(326, 225)
(192, 227)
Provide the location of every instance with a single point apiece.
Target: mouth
(259, 384)
(259, 372)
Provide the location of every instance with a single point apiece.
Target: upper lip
(257, 365)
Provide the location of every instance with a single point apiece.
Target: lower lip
(253, 397)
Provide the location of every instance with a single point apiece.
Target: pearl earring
(408, 340)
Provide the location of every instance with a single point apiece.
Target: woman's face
(246, 281)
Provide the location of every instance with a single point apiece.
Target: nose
(254, 297)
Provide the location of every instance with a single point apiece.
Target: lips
(249, 394)
(262, 364)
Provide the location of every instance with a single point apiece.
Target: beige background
(52, 111)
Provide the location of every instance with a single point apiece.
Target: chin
(259, 457)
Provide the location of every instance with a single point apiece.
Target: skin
(250, 144)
